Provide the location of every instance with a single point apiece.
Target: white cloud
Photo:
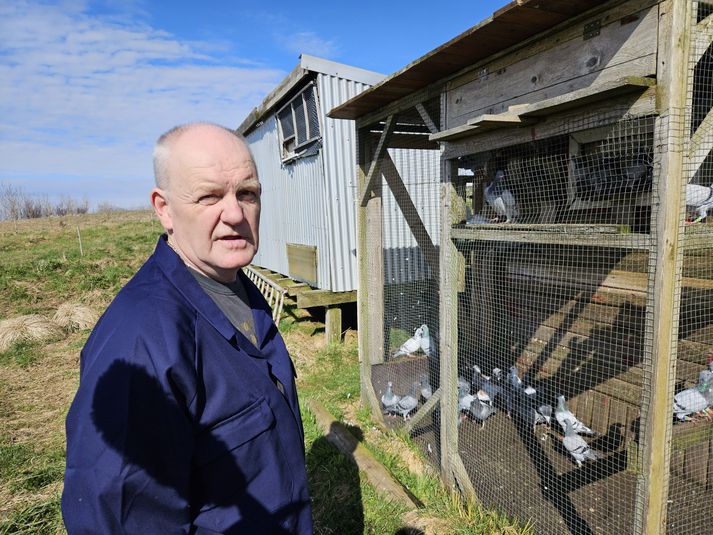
(85, 96)
(309, 43)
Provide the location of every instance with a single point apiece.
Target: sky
(87, 86)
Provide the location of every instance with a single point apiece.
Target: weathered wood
(432, 127)
(665, 279)
(368, 221)
(502, 233)
(333, 324)
(423, 411)
(320, 298)
(481, 123)
(374, 167)
(338, 435)
(620, 50)
(302, 262)
(410, 213)
(592, 115)
(700, 145)
(411, 141)
(297, 289)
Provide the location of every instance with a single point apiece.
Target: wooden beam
(333, 324)
(587, 95)
(700, 145)
(702, 37)
(424, 410)
(339, 436)
(410, 213)
(374, 168)
(321, 298)
(426, 118)
(411, 141)
(664, 269)
(496, 120)
(368, 221)
(456, 132)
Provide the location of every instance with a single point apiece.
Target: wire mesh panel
(691, 463)
(551, 324)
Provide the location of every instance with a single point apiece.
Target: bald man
(186, 419)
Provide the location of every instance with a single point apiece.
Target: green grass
(42, 268)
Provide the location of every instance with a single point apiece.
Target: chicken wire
(556, 306)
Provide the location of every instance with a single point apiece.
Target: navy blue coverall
(178, 425)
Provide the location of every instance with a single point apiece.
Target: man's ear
(159, 201)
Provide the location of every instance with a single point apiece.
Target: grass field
(84, 260)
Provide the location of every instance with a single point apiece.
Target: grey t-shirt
(233, 300)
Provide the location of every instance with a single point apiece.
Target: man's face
(211, 209)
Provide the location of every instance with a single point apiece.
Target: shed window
(299, 123)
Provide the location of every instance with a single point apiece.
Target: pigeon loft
(572, 242)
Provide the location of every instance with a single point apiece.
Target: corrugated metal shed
(507, 27)
(310, 200)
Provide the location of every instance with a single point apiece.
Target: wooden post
(664, 267)
(333, 324)
(371, 288)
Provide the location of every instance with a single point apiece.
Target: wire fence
(557, 349)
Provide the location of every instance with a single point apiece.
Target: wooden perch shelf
(590, 235)
(522, 114)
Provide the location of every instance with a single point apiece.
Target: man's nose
(232, 213)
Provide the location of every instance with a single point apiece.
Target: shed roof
(506, 27)
(307, 65)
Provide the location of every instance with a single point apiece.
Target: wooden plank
(338, 435)
(702, 37)
(456, 132)
(501, 233)
(481, 123)
(664, 282)
(620, 50)
(320, 298)
(333, 324)
(302, 262)
(410, 213)
(588, 95)
(411, 141)
(432, 127)
(423, 411)
(374, 168)
(298, 288)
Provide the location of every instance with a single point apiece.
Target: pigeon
(490, 384)
(411, 345)
(426, 344)
(389, 399)
(576, 445)
(562, 413)
(500, 198)
(700, 199)
(515, 380)
(463, 382)
(406, 404)
(465, 398)
(695, 399)
(426, 389)
(480, 411)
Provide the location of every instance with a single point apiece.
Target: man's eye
(247, 196)
(208, 199)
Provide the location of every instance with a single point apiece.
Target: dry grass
(29, 328)
(75, 317)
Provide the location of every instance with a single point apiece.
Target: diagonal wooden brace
(375, 165)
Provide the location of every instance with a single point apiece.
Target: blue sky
(86, 87)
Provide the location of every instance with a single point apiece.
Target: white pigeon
(695, 399)
(407, 403)
(389, 399)
(700, 199)
(562, 414)
(426, 342)
(576, 445)
(411, 345)
(500, 198)
(426, 388)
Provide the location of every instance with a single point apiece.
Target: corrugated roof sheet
(513, 23)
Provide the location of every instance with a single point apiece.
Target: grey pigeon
(562, 413)
(465, 398)
(426, 389)
(576, 445)
(411, 345)
(700, 199)
(480, 411)
(694, 399)
(491, 385)
(389, 399)
(406, 404)
(464, 384)
(500, 198)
